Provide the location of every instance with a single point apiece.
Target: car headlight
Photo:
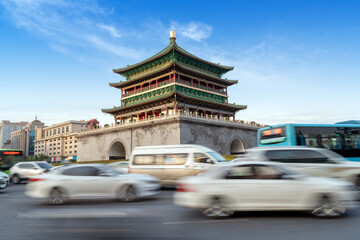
(6, 177)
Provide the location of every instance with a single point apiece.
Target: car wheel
(127, 194)
(57, 197)
(326, 208)
(217, 209)
(15, 179)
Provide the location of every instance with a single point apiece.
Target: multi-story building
(59, 140)
(25, 137)
(6, 128)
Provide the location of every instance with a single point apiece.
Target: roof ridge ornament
(172, 37)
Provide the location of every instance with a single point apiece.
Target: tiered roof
(172, 55)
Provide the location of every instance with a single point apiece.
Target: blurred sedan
(90, 181)
(263, 186)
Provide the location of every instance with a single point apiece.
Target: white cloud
(114, 49)
(110, 29)
(60, 49)
(197, 31)
(68, 24)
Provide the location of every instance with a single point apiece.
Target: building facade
(25, 137)
(59, 140)
(173, 97)
(6, 128)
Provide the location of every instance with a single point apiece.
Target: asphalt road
(26, 218)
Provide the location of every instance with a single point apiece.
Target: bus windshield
(272, 135)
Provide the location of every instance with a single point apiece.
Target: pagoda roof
(114, 109)
(172, 48)
(233, 106)
(169, 65)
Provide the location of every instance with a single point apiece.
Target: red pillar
(234, 118)
(167, 111)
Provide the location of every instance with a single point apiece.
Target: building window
(54, 131)
(70, 137)
(75, 146)
(63, 129)
(65, 147)
(70, 146)
(58, 152)
(70, 142)
(67, 128)
(58, 147)
(70, 152)
(75, 151)
(59, 130)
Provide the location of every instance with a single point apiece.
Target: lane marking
(93, 213)
(208, 221)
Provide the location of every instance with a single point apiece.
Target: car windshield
(217, 156)
(44, 165)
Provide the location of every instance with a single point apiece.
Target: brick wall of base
(118, 142)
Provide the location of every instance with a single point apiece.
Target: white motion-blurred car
(4, 180)
(318, 162)
(263, 186)
(22, 171)
(90, 181)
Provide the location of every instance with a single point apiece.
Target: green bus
(8, 157)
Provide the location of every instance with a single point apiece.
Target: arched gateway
(117, 151)
(236, 146)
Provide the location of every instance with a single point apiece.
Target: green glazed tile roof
(175, 48)
(182, 65)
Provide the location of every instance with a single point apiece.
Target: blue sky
(296, 61)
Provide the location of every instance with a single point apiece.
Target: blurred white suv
(22, 171)
(313, 161)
